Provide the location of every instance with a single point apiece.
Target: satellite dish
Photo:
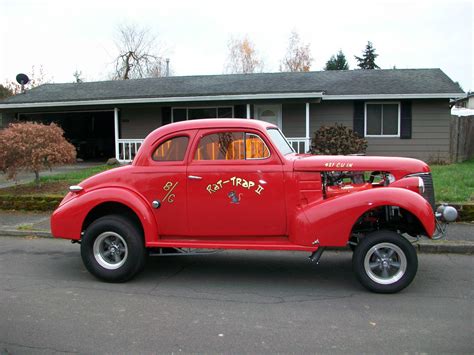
(22, 79)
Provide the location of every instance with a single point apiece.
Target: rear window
(173, 149)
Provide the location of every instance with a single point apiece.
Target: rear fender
(330, 222)
(67, 220)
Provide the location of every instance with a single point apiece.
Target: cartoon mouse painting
(234, 198)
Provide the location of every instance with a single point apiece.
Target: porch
(294, 121)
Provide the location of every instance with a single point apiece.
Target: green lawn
(454, 182)
(75, 177)
(54, 185)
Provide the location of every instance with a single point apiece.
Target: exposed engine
(337, 183)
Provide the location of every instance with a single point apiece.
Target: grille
(429, 189)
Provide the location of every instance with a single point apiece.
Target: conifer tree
(367, 61)
(337, 62)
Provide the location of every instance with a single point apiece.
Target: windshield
(280, 141)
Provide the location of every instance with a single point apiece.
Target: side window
(173, 149)
(231, 146)
(255, 147)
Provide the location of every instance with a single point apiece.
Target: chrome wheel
(385, 263)
(110, 250)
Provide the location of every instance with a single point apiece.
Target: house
(465, 102)
(401, 112)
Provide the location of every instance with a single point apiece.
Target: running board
(223, 244)
(180, 252)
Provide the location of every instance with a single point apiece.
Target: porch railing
(128, 148)
(300, 144)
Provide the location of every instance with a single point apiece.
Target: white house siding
(139, 122)
(430, 134)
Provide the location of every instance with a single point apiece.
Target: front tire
(385, 262)
(112, 249)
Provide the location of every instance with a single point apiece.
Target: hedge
(29, 203)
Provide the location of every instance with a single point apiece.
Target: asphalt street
(232, 301)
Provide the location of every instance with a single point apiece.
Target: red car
(238, 184)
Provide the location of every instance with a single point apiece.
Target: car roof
(207, 123)
(211, 123)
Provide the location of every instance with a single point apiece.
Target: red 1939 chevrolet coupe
(238, 184)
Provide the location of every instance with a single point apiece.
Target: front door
(235, 186)
(269, 113)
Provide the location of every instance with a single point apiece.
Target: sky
(64, 36)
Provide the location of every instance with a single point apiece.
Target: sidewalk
(460, 238)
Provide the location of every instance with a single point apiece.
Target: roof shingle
(348, 82)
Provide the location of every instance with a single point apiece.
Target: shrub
(33, 147)
(337, 140)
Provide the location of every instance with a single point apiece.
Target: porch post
(248, 111)
(308, 137)
(116, 133)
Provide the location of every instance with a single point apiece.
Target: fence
(462, 138)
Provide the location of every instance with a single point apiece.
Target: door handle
(194, 177)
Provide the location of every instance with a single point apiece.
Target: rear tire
(113, 249)
(385, 262)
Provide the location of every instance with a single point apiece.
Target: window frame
(161, 140)
(199, 107)
(381, 135)
(273, 158)
(265, 144)
(169, 139)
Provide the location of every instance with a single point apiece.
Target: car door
(163, 183)
(235, 186)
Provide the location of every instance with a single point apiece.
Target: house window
(382, 119)
(231, 146)
(193, 113)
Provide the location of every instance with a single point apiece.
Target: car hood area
(399, 167)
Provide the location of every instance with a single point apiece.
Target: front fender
(331, 221)
(67, 220)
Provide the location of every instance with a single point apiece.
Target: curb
(435, 247)
(451, 247)
(30, 233)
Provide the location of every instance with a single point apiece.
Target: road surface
(232, 301)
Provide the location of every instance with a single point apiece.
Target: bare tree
(242, 57)
(298, 55)
(138, 54)
(78, 76)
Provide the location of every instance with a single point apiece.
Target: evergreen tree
(337, 62)
(367, 61)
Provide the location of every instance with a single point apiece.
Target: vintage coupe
(238, 184)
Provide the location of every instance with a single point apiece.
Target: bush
(337, 140)
(33, 147)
